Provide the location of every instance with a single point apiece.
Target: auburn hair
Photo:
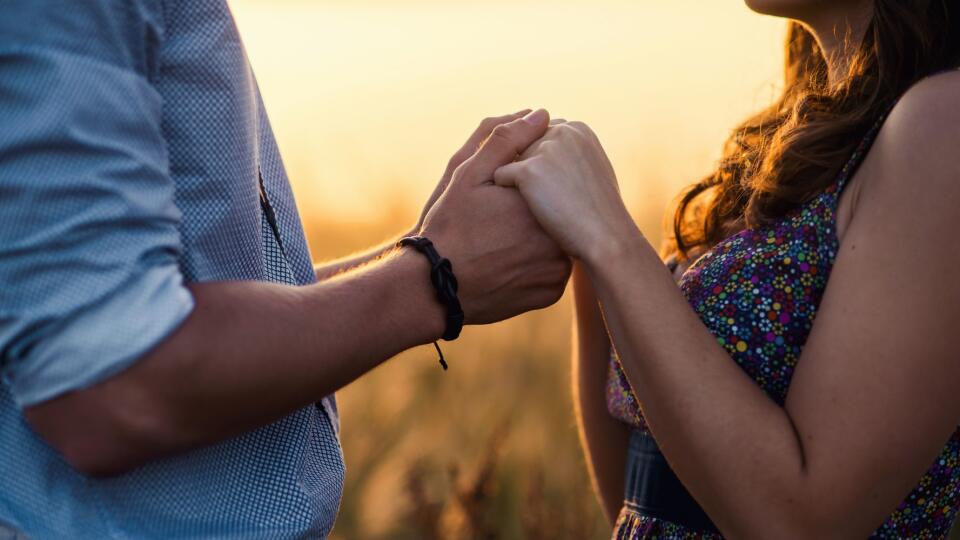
(794, 149)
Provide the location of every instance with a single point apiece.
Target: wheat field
(369, 98)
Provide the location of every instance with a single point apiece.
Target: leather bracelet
(445, 283)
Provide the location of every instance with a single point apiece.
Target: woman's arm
(604, 438)
(873, 399)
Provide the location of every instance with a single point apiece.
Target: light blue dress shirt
(135, 157)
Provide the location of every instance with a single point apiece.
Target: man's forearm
(250, 353)
(329, 269)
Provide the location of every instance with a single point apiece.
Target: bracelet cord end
(445, 283)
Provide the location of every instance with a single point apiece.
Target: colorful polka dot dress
(758, 292)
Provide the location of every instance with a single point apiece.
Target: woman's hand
(571, 188)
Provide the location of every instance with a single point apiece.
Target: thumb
(504, 145)
(510, 174)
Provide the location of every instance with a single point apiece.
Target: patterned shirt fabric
(136, 157)
(758, 292)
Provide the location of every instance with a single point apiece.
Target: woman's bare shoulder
(928, 114)
(917, 153)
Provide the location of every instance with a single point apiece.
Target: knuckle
(458, 158)
(523, 168)
(564, 132)
(465, 169)
(487, 124)
(454, 162)
(502, 132)
(584, 131)
(572, 133)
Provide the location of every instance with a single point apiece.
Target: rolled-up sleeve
(89, 241)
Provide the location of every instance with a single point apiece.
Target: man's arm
(333, 268)
(249, 354)
(253, 352)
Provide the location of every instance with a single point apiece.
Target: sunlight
(369, 99)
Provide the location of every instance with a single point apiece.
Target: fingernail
(537, 117)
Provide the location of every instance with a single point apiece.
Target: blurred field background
(370, 98)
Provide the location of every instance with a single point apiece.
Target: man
(166, 345)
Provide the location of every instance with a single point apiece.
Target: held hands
(469, 148)
(504, 261)
(571, 188)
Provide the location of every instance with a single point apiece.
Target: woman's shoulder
(910, 180)
(928, 110)
(919, 145)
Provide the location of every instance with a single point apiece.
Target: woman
(827, 253)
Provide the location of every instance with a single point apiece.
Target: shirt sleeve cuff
(104, 339)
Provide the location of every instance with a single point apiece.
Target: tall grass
(485, 450)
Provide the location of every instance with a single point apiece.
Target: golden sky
(369, 98)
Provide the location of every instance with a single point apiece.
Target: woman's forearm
(727, 441)
(604, 439)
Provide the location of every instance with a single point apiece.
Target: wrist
(413, 272)
(618, 242)
(626, 259)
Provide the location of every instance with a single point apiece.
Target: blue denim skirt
(656, 504)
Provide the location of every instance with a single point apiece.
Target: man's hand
(469, 148)
(505, 263)
(329, 269)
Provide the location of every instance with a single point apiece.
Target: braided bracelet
(445, 284)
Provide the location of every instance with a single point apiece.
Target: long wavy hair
(794, 149)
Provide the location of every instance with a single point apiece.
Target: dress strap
(856, 159)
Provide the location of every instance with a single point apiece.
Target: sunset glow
(369, 98)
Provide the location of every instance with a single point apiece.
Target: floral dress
(758, 292)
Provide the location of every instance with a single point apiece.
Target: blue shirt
(136, 157)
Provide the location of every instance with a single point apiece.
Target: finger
(511, 175)
(479, 135)
(506, 142)
(488, 124)
(557, 121)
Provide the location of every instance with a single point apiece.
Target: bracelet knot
(445, 283)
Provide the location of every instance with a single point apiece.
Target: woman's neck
(839, 34)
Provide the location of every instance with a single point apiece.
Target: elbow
(102, 452)
(105, 450)
(102, 438)
(98, 463)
